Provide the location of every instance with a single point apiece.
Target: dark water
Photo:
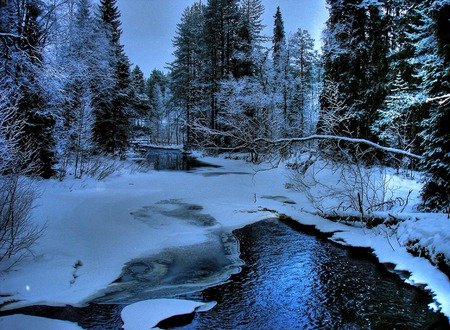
(290, 280)
(172, 159)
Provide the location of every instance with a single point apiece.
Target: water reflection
(172, 159)
(296, 281)
(290, 280)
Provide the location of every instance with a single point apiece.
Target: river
(269, 275)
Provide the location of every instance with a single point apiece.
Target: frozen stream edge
(234, 200)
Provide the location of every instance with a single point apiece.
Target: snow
(21, 322)
(91, 232)
(147, 314)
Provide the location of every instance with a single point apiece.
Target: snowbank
(93, 231)
(147, 314)
(21, 322)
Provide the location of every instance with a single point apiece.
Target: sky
(149, 26)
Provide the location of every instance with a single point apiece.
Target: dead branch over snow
(340, 138)
(443, 99)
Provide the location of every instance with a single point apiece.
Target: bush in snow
(344, 188)
(17, 232)
(17, 192)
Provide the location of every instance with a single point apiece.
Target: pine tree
(249, 38)
(221, 22)
(356, 59)
(23, 40)
(112, 128)
(435, 50)
(187, 76)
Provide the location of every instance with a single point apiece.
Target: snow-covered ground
(92, 229)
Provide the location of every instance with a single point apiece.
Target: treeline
(68, 94)
(386, 61)
(229, 78)
(381, 62)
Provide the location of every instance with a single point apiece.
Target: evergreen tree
(282, 78)
(158, 93)
(141, 102)
(435, 56)
(112, 127)
(22, 64)
(393, 126)
(187, 76)
(249, 38)
(137, 80)
(304, 60)
(84, 57)
(356, 48)
(221, 22)
(279, 37)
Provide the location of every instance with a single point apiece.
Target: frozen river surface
(267, 275)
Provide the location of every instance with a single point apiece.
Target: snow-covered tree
(221, 35)
(393, 126)
(304, 61)
(187, 79)
(355, 57)
(24, 31)
(161, 120)
(17, 193)
(249, 42)
(83, 60)
(434, 53)
(112, 127)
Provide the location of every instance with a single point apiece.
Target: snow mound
(21, 322)
(428, 236)
(148, 313)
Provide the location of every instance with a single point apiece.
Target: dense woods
(68, 96)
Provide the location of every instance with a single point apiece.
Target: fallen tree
(248, 143)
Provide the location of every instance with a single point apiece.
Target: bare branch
(444, 98)
(341, 138)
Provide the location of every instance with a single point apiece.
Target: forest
(378, 92)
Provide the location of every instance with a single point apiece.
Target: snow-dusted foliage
(435, 55)
(212, 80)
(393, 124)
(17, 193)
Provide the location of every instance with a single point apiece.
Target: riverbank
(93, 231)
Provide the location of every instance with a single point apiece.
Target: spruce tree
(112, 128)
(84, 59)
(187, 76)
(356, 60)
(22, 73)
(249, 38)
(393, 126)
(137, 80)
(436, 75)
(304, 60)
(281, 74)
(221, 23)
(278, 39)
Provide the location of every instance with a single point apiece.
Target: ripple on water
(290, 280)
(296, 281)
